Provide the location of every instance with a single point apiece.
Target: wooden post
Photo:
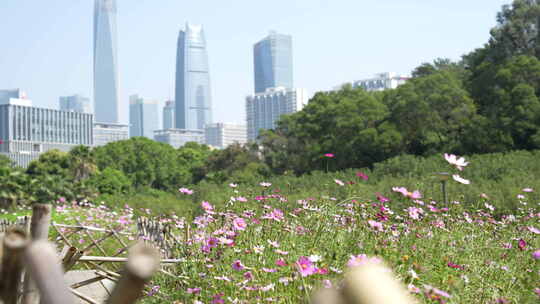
(15, 241)
(44, 268)
(143, 262)
(39, 230)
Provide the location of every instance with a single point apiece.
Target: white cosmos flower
(454, 160)
(459, 179)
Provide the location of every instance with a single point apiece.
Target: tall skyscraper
(75, 103)
(168, 115)
(272, 58)
(143, 117)
(193, 98)
(106, 101)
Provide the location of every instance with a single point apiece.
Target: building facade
(221, 135)
(179, 137)
(75, 103)
(105, 133)
(273, 62)
(381, 82)
(263, 110)
(168, 115)
(106, 100)
(143, 117)
(193, 96)
(26, 131)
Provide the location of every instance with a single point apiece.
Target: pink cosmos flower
(233, 185)
(217, 299)
(195, 290)
(237, 265)
(414, 195)
(378, 226)
(327, 283)
(329, 155)
(454, 160)
(268, 269)
(415, 212)
(362, 175)
(281, 263)
(413, 289)
(459, 179)
(527, 190)
(339, 182)
(185, 191)
(362, 259)
(239, 224)
(276, 215)
(533, 230)
(248, 275)
(305, 266)
(382, 198)
(207, 207)
(241, 199)
(520, 196)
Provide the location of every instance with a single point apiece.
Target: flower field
(266, 245)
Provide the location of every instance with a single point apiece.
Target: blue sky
(46, 46)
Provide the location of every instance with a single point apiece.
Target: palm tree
(82, 163)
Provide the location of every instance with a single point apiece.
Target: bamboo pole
(15, 241)
(142, 264)
(88, 228)
(44, 267)
(374, 283)
(39, 230)
(89, 258)
(68, 256)
(83, 297)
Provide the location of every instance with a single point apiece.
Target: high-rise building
(272, 58)
(179, 137)
(381, 82)
(193, 99)
(263, 110)
(106, 101)
(143, 117)
(75, 103)
(27, 131)
(221, 135)
(13, 96)
(168, 115)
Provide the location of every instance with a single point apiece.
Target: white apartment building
(179, 137)
(381, 82)
(263, 110)
(221, 135)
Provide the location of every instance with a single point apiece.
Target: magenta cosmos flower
(329, 155)
(362, 175)
(536, 254)
(305, 266)
(237, 265)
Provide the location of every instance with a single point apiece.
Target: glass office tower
(106, 101)
(193, 98)
(272, 58)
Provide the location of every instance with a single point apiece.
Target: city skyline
(61, 52)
